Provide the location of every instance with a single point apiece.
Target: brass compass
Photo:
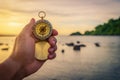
(42, 30)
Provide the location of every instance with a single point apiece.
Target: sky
(66, 16)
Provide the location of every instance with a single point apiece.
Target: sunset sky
(66, 16)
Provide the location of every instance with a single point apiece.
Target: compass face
(42, 29)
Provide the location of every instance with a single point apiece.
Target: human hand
(24, 51)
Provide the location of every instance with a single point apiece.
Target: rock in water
(97, 44)
(5, 49)
(78, 42)
(76, 47)
(70, 44)
(1, 43)
(63, 51)
(82, 45)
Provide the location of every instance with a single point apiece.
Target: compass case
(42, 29)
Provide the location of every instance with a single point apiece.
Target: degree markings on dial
(38, 26)
(43, 29)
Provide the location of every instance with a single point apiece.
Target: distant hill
(76, 33)
(112, 27)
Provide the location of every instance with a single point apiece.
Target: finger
(52, 50)
(28, 27)
(51, 56)
(52, 41)
(54, 32)
(30, 24)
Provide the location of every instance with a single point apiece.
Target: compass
(42, 30)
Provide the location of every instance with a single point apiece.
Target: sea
(99, 59)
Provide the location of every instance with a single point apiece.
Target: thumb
(28, 27)
(31, 23)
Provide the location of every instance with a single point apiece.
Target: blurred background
(88, 40)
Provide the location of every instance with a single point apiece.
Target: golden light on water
(11, 28)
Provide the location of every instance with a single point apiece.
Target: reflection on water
(90, 63)
(6, 46)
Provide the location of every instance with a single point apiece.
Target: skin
(22, 62)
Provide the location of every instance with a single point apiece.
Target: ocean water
(90, 63)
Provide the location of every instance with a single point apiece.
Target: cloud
(80, 13)
(63, 7)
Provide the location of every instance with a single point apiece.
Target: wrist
(20, 72)
(9, 68)
(19, 75)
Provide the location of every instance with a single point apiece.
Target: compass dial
(42, 29)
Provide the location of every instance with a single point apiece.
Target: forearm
(19, 75)
(8, 69)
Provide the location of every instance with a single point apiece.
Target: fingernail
(53, 42)
(32, 20)
(52, 56)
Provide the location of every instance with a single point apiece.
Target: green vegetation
(76, 33)
(112, 27)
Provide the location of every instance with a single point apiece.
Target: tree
(112, 27)
(76, 33)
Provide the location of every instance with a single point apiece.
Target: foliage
(112, 27)
(76, 33)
